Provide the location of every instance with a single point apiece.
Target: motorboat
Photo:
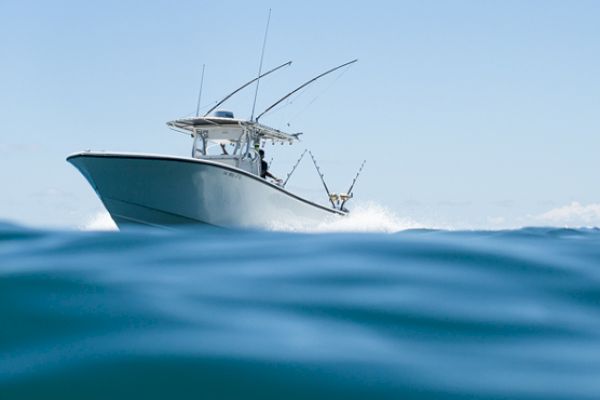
(221, 183)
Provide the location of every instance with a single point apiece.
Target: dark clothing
(264, 167)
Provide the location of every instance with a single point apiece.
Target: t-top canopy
(195, 124)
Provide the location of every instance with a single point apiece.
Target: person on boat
(264, 168)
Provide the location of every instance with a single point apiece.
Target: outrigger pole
(294, 168)
(200, 92)
(322, 179)
(262, 55)
(302, 86)
(244, 86)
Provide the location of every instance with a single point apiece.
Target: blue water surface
(217, 314)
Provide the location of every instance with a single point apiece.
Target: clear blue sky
(470, 113)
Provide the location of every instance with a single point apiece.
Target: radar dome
(223, 114)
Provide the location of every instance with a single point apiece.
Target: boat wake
(366, 217)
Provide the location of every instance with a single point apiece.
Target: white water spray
(101, 221)
(368, 217)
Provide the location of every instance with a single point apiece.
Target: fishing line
(319, 94)
(294, 99)
(290, 101)
(301, 87)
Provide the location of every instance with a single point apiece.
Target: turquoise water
(227, 315)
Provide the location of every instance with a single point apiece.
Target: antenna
(294, 168)
(348, 194)
(246, 85)
(200, 92)
(262, 54)
(304, 85)
(322, 179)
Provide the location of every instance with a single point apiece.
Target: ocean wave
(213, 313)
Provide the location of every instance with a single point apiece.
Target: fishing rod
(348, 194)
(303, 86)
(294, 168)
(322, 179)
(246, 85)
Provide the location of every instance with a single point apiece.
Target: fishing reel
(336, 198)
(339, 199)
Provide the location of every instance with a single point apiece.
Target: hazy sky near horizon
(470, 113)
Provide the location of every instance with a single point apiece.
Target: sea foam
(365, 217)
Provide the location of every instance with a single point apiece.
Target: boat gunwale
(199, 161)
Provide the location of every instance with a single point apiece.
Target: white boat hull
(165, 191)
